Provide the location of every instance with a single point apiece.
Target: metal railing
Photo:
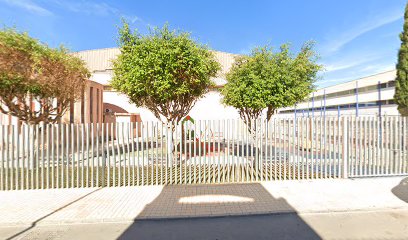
(215, 151)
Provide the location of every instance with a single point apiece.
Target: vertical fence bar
(294, 148)
(405, 145)
(297, 130)
(119, 154)
(399, 155)
(195, 153)
(7, 143)
(199, 151)
(219, 152)
(96, 158)
(224, 151)
(166, 144)
(302, 144)
(365, 153)
(212, 159)
(83, 134)
(184, 127)
(126, 146)
(87, 128)
(394, 147)
(337, 168)
(123, 153)
(2, 146)
(93, 155)
(161, 153)
(78, 153)
(47, 131)
(62, 142)
(138, 126)
(181, 153)
(345, 147)
(175, 156)
(283, 134)
(156, 143)
(313, 135)
(151, 151)
(388, 145)
(53, 156)
(229, 151)
(12, 157)
(377, 135)
(67, 141)
(72, 155)
(245, 153)
(33, 153)
(239, 150)
(132, 141)
(58, 133)
(308, 145)
(321, 148)
(103, 154)
(370, 146)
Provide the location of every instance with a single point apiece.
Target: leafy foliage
(165, 71)
(269, 80)
(37, 83)
(401, 85)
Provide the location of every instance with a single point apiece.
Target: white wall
(209, 107)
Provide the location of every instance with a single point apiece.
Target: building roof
(362, 82)
(101, 59)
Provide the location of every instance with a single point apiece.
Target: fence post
(345, 146)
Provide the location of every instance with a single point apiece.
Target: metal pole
(313, 105)
(324, 103)
(379, 98)
(356, 98)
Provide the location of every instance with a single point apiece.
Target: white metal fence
(216, 151)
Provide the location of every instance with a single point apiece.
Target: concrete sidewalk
(126, 204)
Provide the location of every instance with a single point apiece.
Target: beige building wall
(89, 109)
(99, 62)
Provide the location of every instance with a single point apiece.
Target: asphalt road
(356, 225)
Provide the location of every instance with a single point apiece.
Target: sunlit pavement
(313, 206)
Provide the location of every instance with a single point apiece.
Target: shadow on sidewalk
(222, 200)
(401, 190)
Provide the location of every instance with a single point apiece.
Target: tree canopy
(37, 83)
(270, 80)
(401, 85)
(165, 71)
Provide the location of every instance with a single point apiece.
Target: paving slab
(127, 204)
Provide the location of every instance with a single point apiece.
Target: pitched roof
(101, 59)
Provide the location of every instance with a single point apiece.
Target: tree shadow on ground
(237, 211)
(401, 190)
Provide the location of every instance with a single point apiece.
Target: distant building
(372, 95)
(89, 109)
(117, 107)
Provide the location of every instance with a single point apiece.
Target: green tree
(165, 71)
(32, 73)
(268, 80)
(401, 85)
